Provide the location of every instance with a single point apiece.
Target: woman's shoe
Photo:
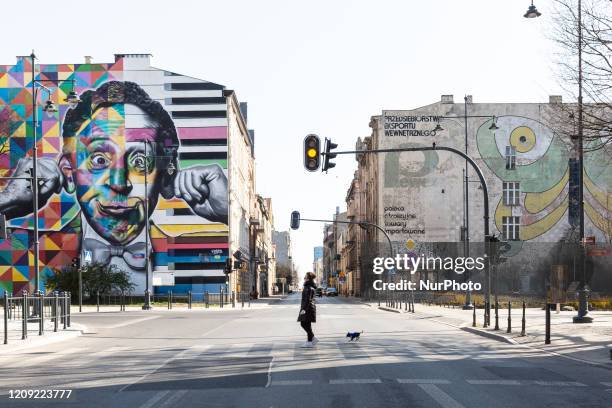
(314, 341)
(308, 344)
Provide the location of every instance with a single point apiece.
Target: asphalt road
(251, 358)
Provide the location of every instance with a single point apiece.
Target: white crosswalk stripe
(561, 383)
(355, 381)
(422, 381)
(290, 382)
(494, 382)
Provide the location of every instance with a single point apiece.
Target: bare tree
(595, 72)
(8, 124)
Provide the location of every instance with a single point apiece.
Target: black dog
(354, 336)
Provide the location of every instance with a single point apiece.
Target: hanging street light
(532, 12)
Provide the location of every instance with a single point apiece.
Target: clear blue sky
(316, 66)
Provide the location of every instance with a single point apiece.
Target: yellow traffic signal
(312, 152)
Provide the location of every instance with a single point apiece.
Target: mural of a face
(107, 167)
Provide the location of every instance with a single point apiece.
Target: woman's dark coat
(308, 303)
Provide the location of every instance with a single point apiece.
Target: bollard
(509, 318)
(547, 338)
(68, 306)
(233, 299)
(24, 316)
(98, 301)
(474, 315)
(221, 297)
(496, 315)
(523, 321)
(189, 300)
(55, 307)
(41, 310)
(484, 323)
(64, 307)
(242, 298)
(206, 299)
(6, 309)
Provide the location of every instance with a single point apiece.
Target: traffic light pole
(483, 183)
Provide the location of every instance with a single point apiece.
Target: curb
(488, 334)
(388, 309)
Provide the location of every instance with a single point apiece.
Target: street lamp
(532, 12)
(50, 109)
(582, 316)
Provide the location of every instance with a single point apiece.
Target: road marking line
(270, 372)
(200, 348)
(154, 399)
(606, 384)
(561, 383)
(442, 398)
(142, 319)
(494, 382)
(355, 381)
(422, 381)
(291, 382)
(169, 402)
(25, 362)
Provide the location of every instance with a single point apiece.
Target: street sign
(87, 257)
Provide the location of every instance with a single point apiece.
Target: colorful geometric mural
(103, 163)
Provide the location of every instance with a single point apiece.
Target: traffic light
(328, 155)
(237, 264)
(228, 266)
(312, 152)
(295, 220)
(75, 262)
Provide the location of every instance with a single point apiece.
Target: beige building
(263, 254)
(431, 205)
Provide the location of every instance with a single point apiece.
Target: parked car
(331, 292)
(319, 292)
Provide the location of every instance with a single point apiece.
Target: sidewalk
(15, 343)
(589, 343)
(182, 305)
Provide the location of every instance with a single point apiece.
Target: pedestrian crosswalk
(268, 365)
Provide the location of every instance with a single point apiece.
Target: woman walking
(308, 309)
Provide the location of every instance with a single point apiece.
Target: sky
(321, 67)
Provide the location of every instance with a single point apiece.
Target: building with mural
(139, 166)
(531, 172)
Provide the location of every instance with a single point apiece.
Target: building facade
(284, 261)
(140, 139)
(432, 203)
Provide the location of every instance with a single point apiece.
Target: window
(510, 228)
(510, 158)
(193, 86)
(198, 114)
(511, 192)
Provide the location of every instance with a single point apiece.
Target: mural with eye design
(93, 159)
(526, 151)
